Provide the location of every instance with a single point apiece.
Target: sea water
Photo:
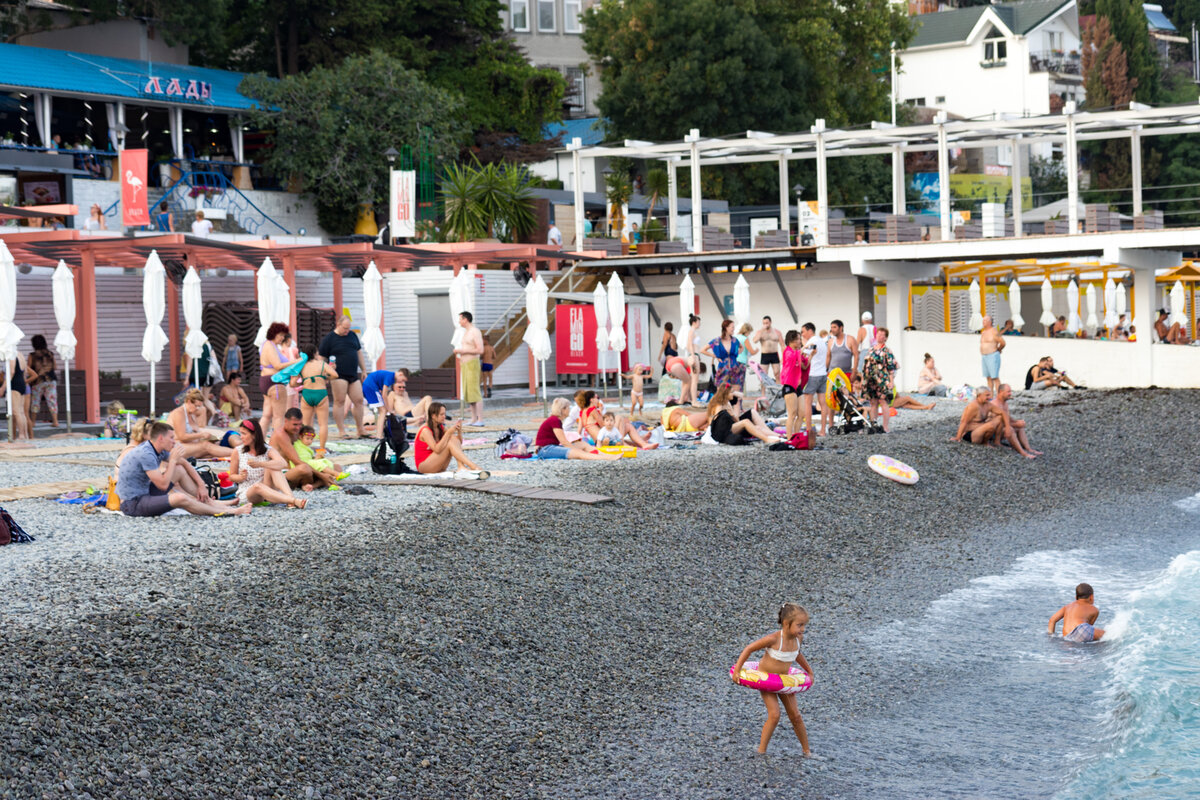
(999, 708)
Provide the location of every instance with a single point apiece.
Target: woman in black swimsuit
(668, 348)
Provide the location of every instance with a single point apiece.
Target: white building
(550, 33)
(987, 61)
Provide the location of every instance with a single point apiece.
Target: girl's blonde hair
(558, 406)
(193, 394)
(789, 611)
(141, 431)
(746, 329)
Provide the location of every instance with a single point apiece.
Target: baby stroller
(771, 403)
(849, 416)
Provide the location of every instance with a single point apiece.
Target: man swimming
(1079, 618)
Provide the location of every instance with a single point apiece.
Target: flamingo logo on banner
(404, 203)
(135, 211)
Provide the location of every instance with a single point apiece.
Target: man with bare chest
(769, 341)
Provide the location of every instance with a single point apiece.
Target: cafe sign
(158, 86)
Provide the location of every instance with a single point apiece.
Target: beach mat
(494, 487)
(47, 489)
(16, 454)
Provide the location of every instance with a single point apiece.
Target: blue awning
(589, 129)
(61, 72)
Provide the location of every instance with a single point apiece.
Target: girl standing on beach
(783, 648)
(793, 376)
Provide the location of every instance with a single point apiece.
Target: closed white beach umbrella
(462, 298)
(154, 304)
(10, 334)
(1122, 299)
(537, 315)
(1073, 321)
(1093, 321)
(976, 322)
(1178, 305)
(265, 288)
(63, 288)
(741, 302)
(687, 303)
(1110, 305)
(616, 312)
(1047, 317)
(1014, 304)
(193, 315)
(372, 341)
(281, 304)
(600, 307)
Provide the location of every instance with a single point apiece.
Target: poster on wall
(41, 193)
(807, 217)
(135, 211)
(574, 339)
(8, 197)
(761, 225)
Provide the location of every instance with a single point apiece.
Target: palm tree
(619, 192)
(658, 184)
(487, 201)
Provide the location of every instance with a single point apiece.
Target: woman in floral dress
(879, 378)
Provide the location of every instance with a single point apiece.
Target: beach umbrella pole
(67, 373)
(8, 368)
(151, 390)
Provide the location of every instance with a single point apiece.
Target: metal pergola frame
(881, 138)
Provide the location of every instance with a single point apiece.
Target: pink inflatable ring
(796, 681)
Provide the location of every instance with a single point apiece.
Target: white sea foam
(1190, 504)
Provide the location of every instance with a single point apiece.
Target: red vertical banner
(135, 210)
(574, 339)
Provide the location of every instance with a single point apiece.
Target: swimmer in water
(1079, 618)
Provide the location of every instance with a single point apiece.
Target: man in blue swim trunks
(375, 388)
(1079, 618)
(990, 345)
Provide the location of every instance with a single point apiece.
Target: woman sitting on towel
(191, 437)
(436, 444)
(551, 441)
(728, 427)
(591, 420)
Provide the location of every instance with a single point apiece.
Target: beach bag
(112, 502)
(212, 482)
(512, 443)
(395, 432)
(10, 531)
(386, 458)
(802, 440)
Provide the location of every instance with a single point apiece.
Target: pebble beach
(435, 643)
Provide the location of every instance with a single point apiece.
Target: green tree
(330, 127)
(487, 200)
(1127, 22)
(667, 66)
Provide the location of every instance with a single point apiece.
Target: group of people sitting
(987, 420)
(154, 474)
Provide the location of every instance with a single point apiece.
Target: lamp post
(606, 172)
(799, 216)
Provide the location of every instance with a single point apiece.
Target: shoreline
(469, 645)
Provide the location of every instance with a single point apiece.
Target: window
(519, 14)
(915, 101)
(576, 94)
(995, 50)
(571, 11)
(940, 100)
(545, 9)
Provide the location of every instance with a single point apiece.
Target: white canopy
(976, 322)
(741, 302)
(1093, 321)
(687, 304)
(265, 285)
(373, 343)
(1014, 304)
(193, 314)
(1110, 305)
(600, 306)
(536, 335)
(616, 312)
(154, 305)
(1073, 321)
(63, 288)
(1047, 317)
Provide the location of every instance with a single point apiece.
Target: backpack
(513, 443)
(386, 458)
(10, 531)
(212, 482)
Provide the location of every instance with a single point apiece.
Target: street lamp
(391, 154)
(121, 129)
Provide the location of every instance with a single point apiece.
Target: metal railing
(215, 187)
(1056, 61)
(510, 325)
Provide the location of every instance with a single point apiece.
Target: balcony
(1055, 61)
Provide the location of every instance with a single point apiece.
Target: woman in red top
(551, 441)
(436, 444)
(591, 420)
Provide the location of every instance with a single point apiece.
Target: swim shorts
(991, 365)
(788, 390)
(815, 385)
(1084, 632)
(768, 358)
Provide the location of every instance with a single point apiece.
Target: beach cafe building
(64, 115)
(930, 287)
(322, 282)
